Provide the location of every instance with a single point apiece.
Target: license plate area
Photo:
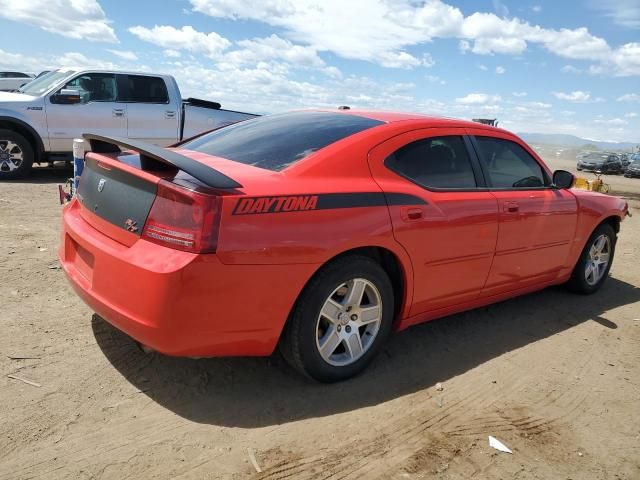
(81, 259)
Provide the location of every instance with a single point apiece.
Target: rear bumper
(175, 302)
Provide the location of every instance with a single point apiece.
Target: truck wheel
(594, 263)
(340, 320)
(16, 155)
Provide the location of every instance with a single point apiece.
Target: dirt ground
(554, 376)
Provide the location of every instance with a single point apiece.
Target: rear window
(278, 141)
(142, 89)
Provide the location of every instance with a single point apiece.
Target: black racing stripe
(322, 201)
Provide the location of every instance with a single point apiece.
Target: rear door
(151, 116)
(536, 223)
(98, 112)
(450, 233)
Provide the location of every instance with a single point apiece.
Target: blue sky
(541, 66)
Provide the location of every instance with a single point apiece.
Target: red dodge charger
(321, 231)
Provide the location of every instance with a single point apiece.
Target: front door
(450, 233)
(98, 112)
(536, 222)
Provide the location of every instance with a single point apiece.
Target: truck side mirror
(66, 96)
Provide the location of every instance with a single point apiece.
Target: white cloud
(124, 54)
(629, 97)
(477, 99)
(79, 19)
(484, 68)
(630, 115)
(577, 96)
(538, 105)
(185, 38)
(625, 13)
(464, 46)
(36, 64)
(570, 69)
(500, 70)
(519, 94)
(626, 60)
(536, 9)
(500, 8)
(616, 122)
(380, 30)
(171, 53)
(435, 79)
(274, 48)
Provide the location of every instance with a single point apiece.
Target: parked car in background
(39, 122)
(322, 231)
(13, 80)
(633, 169)
(625, 159)
(602, 161)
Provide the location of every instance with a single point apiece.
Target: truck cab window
(94, 87)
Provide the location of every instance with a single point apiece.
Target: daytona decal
(324, 201)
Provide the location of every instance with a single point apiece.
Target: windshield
(596, 157)
(635, 159)
(45, 82)
(277, 141)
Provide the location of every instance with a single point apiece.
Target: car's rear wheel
(594, 263)
(16, 155)
(340, 320)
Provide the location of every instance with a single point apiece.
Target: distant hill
(573, 141)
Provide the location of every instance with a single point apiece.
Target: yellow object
(582, 183)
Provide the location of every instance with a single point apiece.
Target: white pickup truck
(39, 122)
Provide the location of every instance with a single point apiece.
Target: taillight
(183, 219)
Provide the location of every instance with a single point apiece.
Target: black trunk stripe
(322, 201)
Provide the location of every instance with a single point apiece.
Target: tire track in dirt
(396, 437)
(402, 441)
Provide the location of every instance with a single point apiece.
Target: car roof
(424, 119)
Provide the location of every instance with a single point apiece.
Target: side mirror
(66, 96)
(563, 179)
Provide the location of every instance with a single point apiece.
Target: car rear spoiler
(152, 156)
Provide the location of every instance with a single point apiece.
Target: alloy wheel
(598, 260)
(11, 156)
(349, 322)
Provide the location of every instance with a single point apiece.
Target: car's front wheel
(595, 261)
(340, 320)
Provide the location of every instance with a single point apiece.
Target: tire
(14, 146)
(579, 169)
(581, 281)
(308, 329)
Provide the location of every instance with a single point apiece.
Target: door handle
(169, 114)
(511, 207)
(118, 112)
(411, 214)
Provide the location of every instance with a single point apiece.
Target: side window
(438, 162)
(94, 87)
(509, 165)
(3, 75)
(142, 89)
(18, 75)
